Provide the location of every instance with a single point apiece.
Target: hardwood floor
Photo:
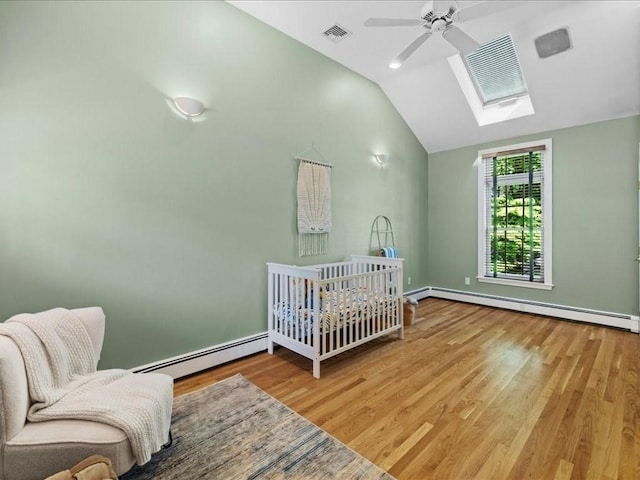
(471, 393)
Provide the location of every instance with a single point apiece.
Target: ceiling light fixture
(395, 64)
(188, 106)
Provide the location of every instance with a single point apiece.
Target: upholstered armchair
(36, 450)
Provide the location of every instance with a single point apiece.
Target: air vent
(336, 33)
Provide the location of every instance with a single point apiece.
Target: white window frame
(547, 203)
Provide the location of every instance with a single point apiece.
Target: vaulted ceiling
(597, 79)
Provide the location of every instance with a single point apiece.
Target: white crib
(355, 301)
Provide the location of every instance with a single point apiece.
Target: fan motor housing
(430, 16)
(439, 24)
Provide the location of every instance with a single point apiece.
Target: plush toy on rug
(95, 467)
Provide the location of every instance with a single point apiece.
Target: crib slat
(346, 302)
(385, 311)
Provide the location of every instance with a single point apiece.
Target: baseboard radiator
(199, 360)
(209, 357)
(610, 319)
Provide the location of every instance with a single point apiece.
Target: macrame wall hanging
(314, 206)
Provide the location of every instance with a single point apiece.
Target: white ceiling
(598, 79)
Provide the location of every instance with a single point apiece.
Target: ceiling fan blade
(463, 42)
(391, 22)
(481, 9)
(407, 52)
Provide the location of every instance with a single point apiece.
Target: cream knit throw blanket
(63, 382)
(314, 208)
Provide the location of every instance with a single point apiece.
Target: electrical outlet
(467, 281)
(408, 280)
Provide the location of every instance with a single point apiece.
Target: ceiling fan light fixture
(441, 16)
(439, 25)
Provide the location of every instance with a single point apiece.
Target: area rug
(233, 430)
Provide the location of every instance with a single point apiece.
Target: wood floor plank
(629, 455)
(472, 392)
(564, 470)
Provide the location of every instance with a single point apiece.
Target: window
(492, 82)
(495, 70)
(514, 215)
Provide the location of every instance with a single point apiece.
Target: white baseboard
(610, 319)
(419, 294)
(193, 362)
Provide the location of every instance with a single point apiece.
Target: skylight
(492, 82)
(496, 71)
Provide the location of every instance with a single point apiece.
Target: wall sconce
(189, 107)
(381, 158)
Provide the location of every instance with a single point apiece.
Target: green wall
(108, 198)
(595, 218)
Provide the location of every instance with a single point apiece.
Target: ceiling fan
(442, 16)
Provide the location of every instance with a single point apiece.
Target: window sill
(515, 283)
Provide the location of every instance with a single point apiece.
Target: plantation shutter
(514, 235)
